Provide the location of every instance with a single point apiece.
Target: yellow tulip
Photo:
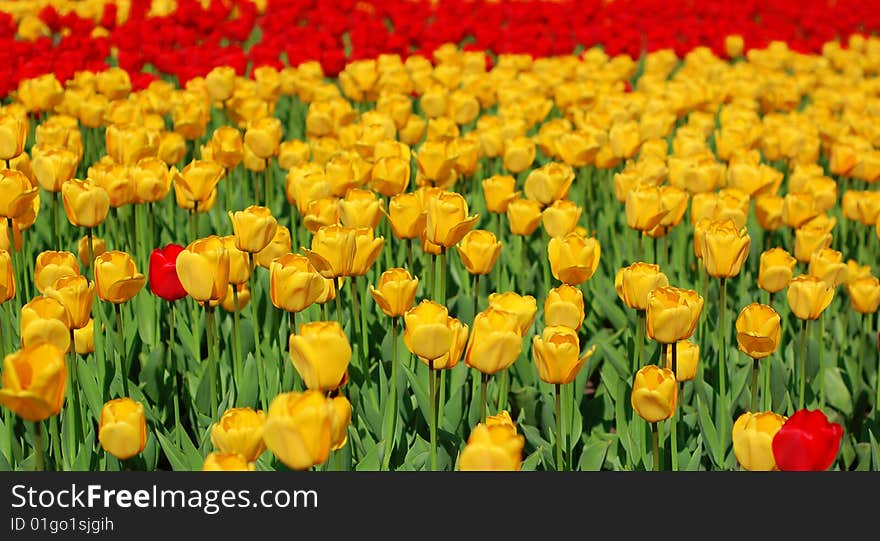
(492, 448)
(203, 269)
(828, 265)
(433, 336)
(172, 148)
(50, 266)
(573, 258)
(644, 208)
(128, 144)
(17, 194)
(776, 270)
(240, 431)
(758, 330)
(813, 236)
(13, 136)
(864, 294)
(298, 428)
(390, 175)
(85, 203)
(524, 216)
(654, 393)
(798, 209)
(549, 183)
(82, 249)
(808, 296)
(53, 166)
(220, 82)
(45, 320)
(122, 430)
(495, 341)
(152, 180)
(254, 228)
(524, 306)
(320, 354)
(519, 153)
(34, 380)
(366, 250)
(448, 219)
(84, 339)
(228, 147)
(557, 354)
(7, 277)
(768, 211)
(635, 283)
(279, 246)
(561, 217)
(672, 314)
(499, 191)
(198, 179)
(239, 264)
(114, 179)
(333, 251)
(407, 216)
(227, 462)
(753, 440)
(724, 248)
(294, 284)
(396, 292)
(360, 208)
(479, 250)
(77, 295)
(687, 360)
(341, 418)
(564, 306)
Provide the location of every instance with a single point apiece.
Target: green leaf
(694, 462)
(836, 391)
(419, 386)
(710, 436)
(531, 461)
(176, 457)
(593, 456)
(875, 451)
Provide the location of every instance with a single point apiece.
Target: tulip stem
(356, 315)
(820, 339)
(324, 311)
(516, 277)
(476, 293)
(755, 367)
(123, 361)
(442, 271)
(802, 382)
(432, 382)
(673, 430)
(766, 397)
(257, 195)
(236, 337)
(56, 233)
(337, 283)
(656, 441)
(72, 387)
(640, 340)
(256, 325)
(409, 256)
(560, 437)
(38, 446)
(639, 249)
(172, 366)
(484, 385)
(211, 323)
(722, 354)
(267, 187)
(391, 412)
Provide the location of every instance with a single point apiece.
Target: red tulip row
(194, 39)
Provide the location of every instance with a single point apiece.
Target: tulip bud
(228, 147)
(672, 314)
(758, 330)
(808, 296)
(51, 266)
(34, 379)
(172, 148)
(564, 306)
(864, 294)
(573, 258)
(203, 269)
(360, 208)
(13, 136)
(654, 393)
(254, 228)
(519, 153)
(635, 283)
(298, 428)
(432, 335)
(775, 270)
(123, 428)
(753, 439)
(226, 462)
(294, 284)
(396, 292)
(220, 82)
(151, 179)
(240, 431)
(492, 447)
(524, 306)
(724, 248)
(495, 341)
(263, 136)
(557, 355)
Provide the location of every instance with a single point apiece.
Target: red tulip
(164, 282)
(807, 442)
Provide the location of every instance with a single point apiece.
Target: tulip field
(439, 235)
